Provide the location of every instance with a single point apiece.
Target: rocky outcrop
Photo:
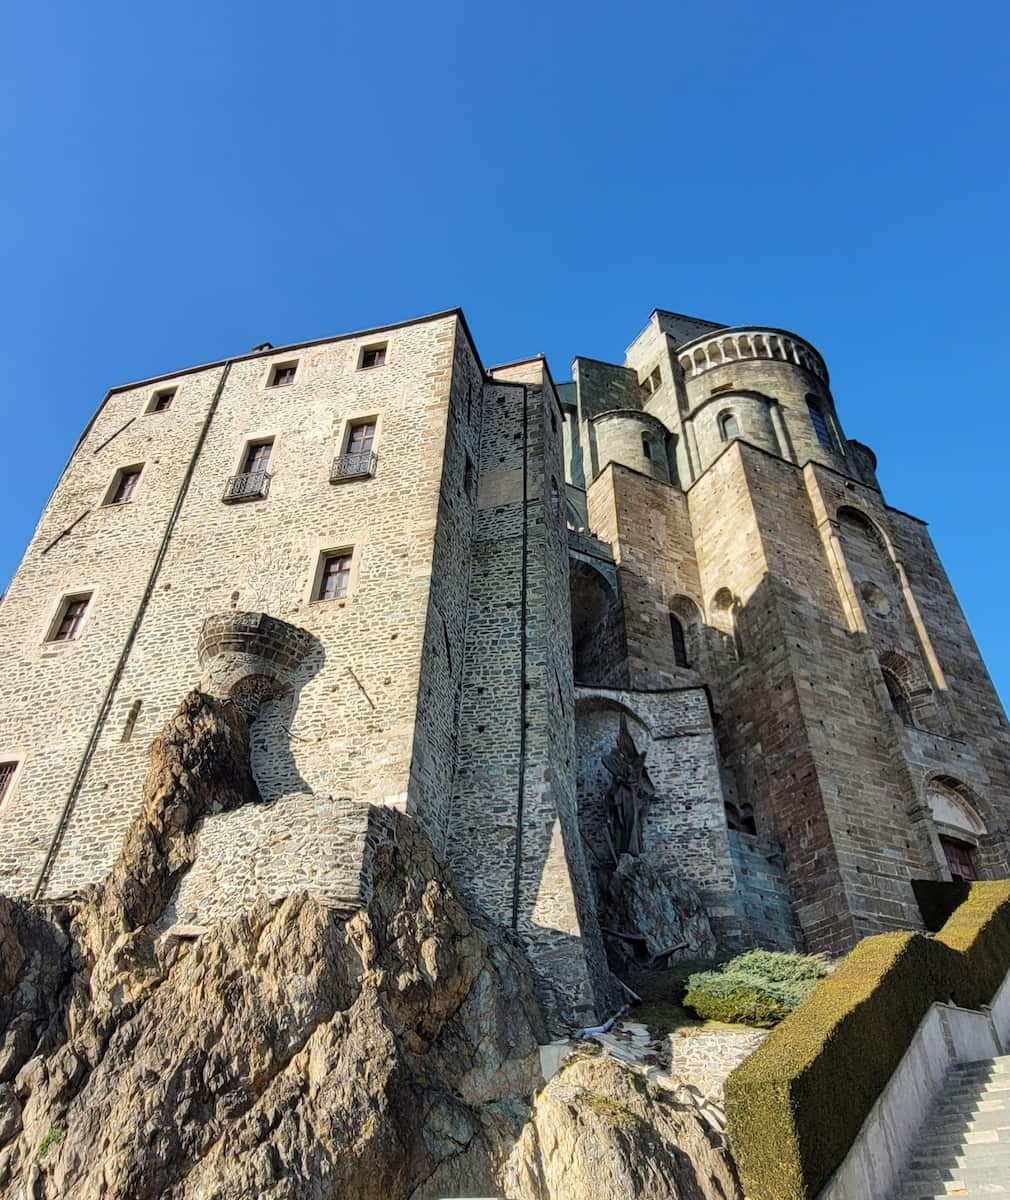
(297, 1052)
(653, 917)
(598, 1130)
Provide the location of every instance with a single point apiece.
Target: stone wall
(513, 839)
(347, 728)
(685, 823)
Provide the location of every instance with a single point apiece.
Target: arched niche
(685, 631)
(959, 824)
(597, 725)
(599, 650)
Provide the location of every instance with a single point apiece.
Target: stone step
(987, 1191)
(968, 1107)
(938, 1158)
(968, 1176)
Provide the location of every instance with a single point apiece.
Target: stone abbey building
(510, 607)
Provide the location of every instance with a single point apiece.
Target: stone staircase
(964, 1145)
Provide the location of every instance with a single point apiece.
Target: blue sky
(186, 180)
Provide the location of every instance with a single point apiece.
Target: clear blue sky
(185, 180)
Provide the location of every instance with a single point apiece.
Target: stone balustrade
(733, 345)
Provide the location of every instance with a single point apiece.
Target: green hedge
(795, 1106)
(760, 987)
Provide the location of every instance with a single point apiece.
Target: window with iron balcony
(359, 458)
(253, 481)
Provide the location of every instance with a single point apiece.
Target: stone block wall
(685, 823)
(347, 728)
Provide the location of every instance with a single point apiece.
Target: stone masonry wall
(512, 808)
(685, 823)
(347, 730)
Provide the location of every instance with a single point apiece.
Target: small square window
(69, 619)
(7, 770)
(373, 356)
(282, 374)
(334, 576)
(123, 485)
(162, 401)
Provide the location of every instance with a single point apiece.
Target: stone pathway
(964, 1144)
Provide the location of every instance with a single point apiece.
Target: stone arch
(898, 697)
(685, 616)
(722, 610)
(599, 650)
(729, 425)
(909, 676)
(956, 812)
(855, 519)
(597, 723)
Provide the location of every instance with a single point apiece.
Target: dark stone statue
(628, 795)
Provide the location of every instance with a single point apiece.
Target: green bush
(796, 1104)
(759, 988)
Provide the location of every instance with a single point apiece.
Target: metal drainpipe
(103, 712)
(522, 669)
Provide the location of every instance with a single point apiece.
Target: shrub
(759, 988)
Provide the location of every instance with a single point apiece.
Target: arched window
(647, 446)
(679, 642)
(899, 701)
(729, 427)
(820, 424)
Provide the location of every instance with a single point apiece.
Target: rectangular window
(960, 859)
(373, 356)
(821, 427)
(361, 437)
(7, 770)
(281, 374)
(335, 576)
(656, 378)
(257, 457)
(123, 485)
(162, 400)
(70, 618)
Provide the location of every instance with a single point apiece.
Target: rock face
(652, 917)
(600, 1131)
(297, 1052)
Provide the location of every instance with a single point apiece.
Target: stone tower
(469, 593)
(860, 741)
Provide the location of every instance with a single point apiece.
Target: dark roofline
(292, 346)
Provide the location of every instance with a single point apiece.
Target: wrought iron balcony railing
(353, 466)
(250, 485)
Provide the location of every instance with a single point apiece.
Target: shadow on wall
(599, 648)
(274, 746)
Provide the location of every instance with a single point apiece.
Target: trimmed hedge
(796, 1105)
(760, 987)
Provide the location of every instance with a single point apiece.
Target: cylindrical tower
(767, 386)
